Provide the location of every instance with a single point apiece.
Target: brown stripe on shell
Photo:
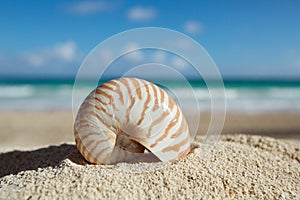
(165, 114)
(88, 125)
(107, 87)
(89, 143)
(103, 93)
(145, 106)
(100, 101)
(138, 88)
(106, 157)
(100, 119)
(93, 113)
(103, 110)
(176, 147)
(162, 96)
(86, 135)
(101, 152)
(166, 132)
(83, 150)
(84, 122)
(108, 96)
(78, 143)
(100, 108)
(126, 84)
(95, 146)
(181, 129)
(118, 90)
(155, 106)
(88, 156)
(155, 122)
(182, 154)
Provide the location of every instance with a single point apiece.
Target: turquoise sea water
(243, 96)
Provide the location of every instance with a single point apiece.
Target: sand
(239, 166)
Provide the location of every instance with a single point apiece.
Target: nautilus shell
(128, 116)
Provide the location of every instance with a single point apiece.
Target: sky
(246, 39)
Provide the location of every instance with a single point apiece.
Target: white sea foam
(239, 99)
(13, 91)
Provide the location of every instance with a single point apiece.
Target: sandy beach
(257, 156)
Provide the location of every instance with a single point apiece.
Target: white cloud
(159, 56)
(35, 60)
(106, 55)
(179, 63)
(292, 58)
(185, 43)
(65, 52)
(180, 43)
(193, 27)
(135, 55)
(298, 63)
(89, 7)
(140, 13)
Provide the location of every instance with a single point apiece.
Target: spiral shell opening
(128, 144)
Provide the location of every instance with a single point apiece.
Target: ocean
(242, 96)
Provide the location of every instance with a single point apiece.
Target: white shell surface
(123, 117)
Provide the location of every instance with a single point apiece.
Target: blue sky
(255, 39)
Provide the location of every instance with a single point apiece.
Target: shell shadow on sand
(17, 161)
(14, 162)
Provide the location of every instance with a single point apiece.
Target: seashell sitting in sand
(126, 117)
